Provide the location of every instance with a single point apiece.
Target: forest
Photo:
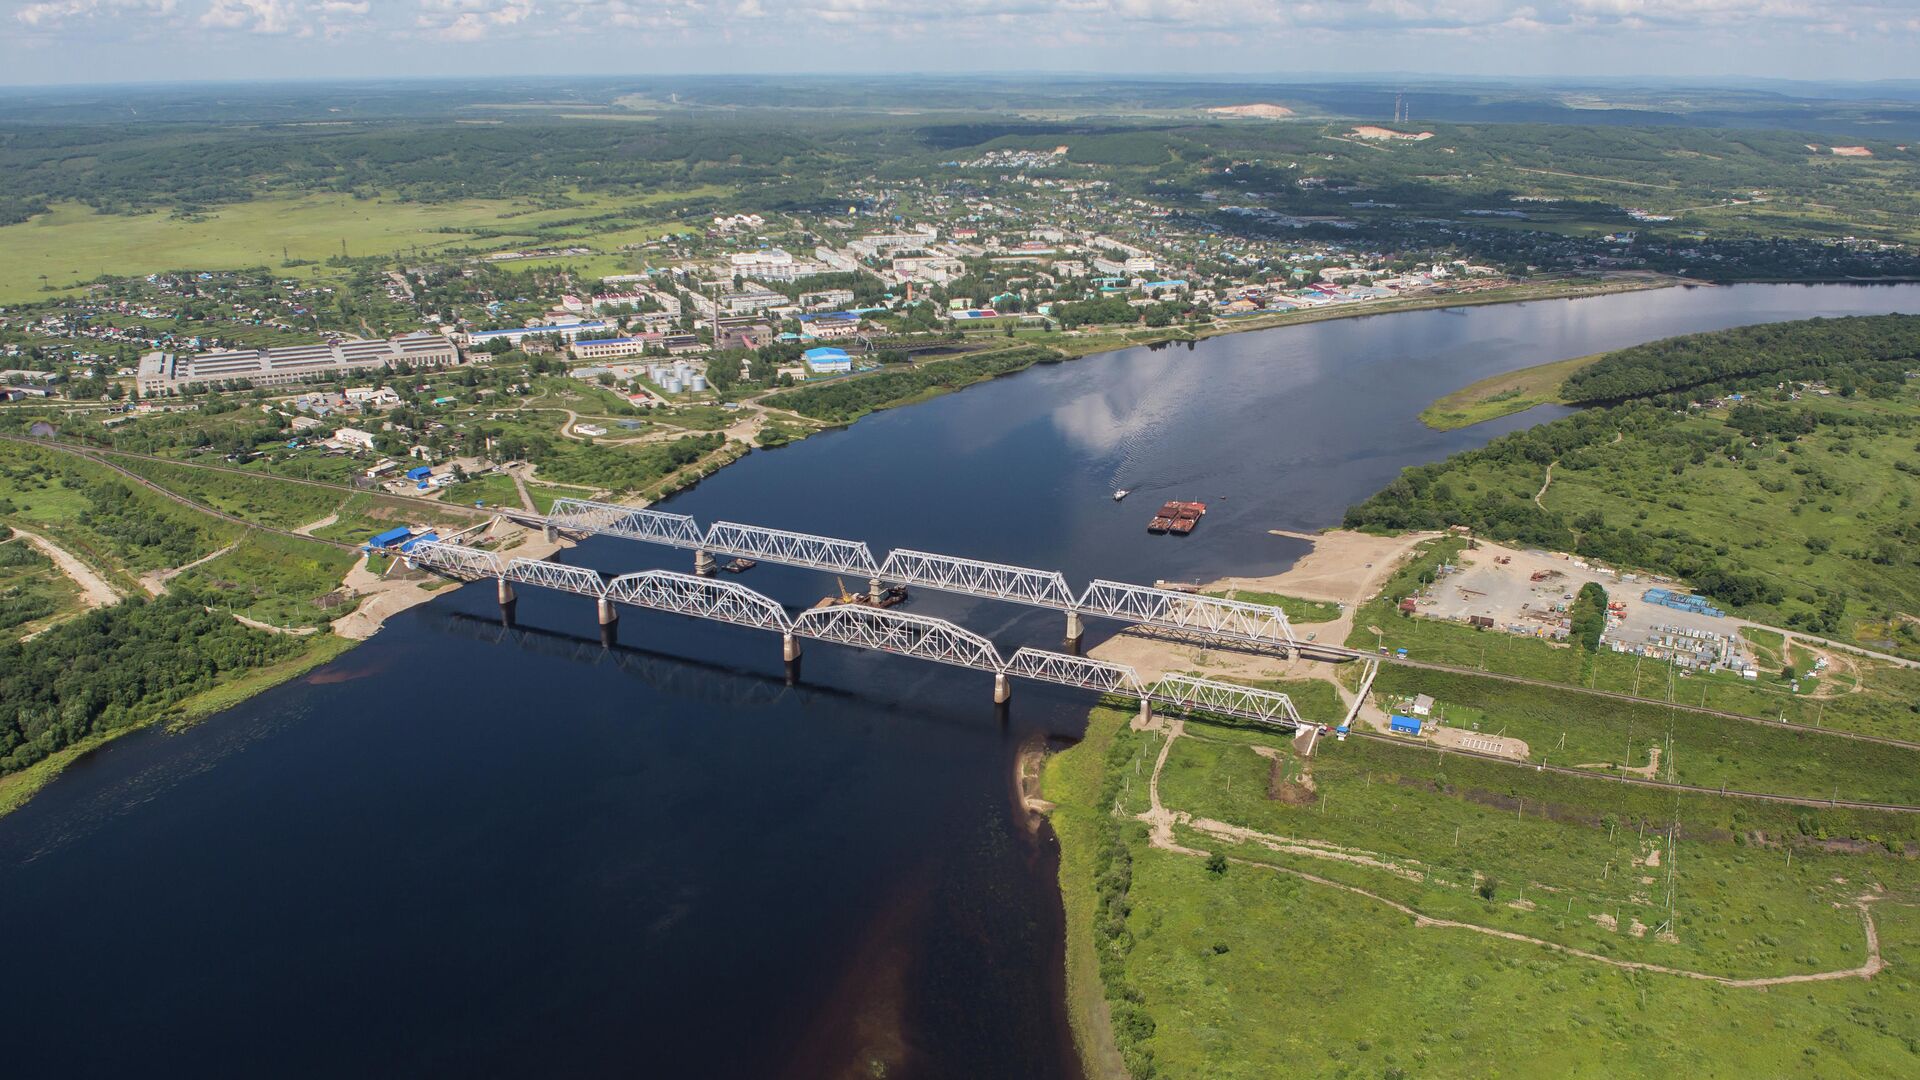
(1868, 349)
(119, 666)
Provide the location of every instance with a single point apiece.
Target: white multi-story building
(169, 373)
(772, 264)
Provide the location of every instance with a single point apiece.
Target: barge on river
(1177, 518)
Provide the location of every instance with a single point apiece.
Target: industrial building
(515, 335)
(600, 348)
(163, 373)
(830, 325)
(825, 360)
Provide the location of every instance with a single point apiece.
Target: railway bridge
(856, 625)
(1168, 611)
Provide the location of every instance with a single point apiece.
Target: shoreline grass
(1503, 395)
(16, 789)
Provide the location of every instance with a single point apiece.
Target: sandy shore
(384, 596)
(1345, 567)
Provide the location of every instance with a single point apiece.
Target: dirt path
(94, 590)
(155, 581)
(1874, 965)
(1161, 820)
(1650, 770)
(312, 527)
(1547, 483)
(292, 631)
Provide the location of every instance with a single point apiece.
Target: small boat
(1121, 494)
(739, 566)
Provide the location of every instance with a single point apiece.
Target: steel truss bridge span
(858, 626)
(1207, 618)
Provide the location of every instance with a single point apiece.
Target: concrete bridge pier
(1146, 714)
(1002, 690)
(703, 563)
(608, 613)
(789, 647)
(506, 592)
(874, 592)
(1076, 631)
(553, 534)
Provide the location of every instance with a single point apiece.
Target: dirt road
(94, 590)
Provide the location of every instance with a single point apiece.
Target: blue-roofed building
(1403, 725)
(421, 539)
(389, 538)
(826, 360)
(420, 472)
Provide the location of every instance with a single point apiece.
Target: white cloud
(257, 16)
(470, 20)
(1806, 38)
(57, 14)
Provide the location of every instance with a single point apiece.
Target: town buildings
(170, 373)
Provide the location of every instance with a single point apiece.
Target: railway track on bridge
(856, 625)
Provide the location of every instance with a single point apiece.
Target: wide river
(468, 850)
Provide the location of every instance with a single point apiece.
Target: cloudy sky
(48, 41)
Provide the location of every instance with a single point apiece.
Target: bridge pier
(553, 534)
(608, 613)
(703, 562)
(1076, 630)
(506, 591)
(1146, 714)
(1002, 690)
(874, 592)
(789, 648)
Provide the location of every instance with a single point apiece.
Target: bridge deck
(860, 626)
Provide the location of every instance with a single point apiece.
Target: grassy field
(73, 244)
(1501, 395)
(1883, 702)
(262, 500)
(1564, 727)
(106, 520)
(1252, 970)
(274, 579)
(1298, 610)
(33, 593)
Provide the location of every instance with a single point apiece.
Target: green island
(1600, 846)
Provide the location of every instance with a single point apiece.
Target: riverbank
(1075, 344)
(1503, 395)
(17, 788)
(1072, 782)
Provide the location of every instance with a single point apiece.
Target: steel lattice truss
(454, 559)
(899, 632)
(996, 581)
(1209, 616)
(630, 522)
(791, 548)
(1226, 699)
(707, 598)
(1087, 674)
(553, 575)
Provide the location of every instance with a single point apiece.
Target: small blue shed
(420, 472)
(1404, 725)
